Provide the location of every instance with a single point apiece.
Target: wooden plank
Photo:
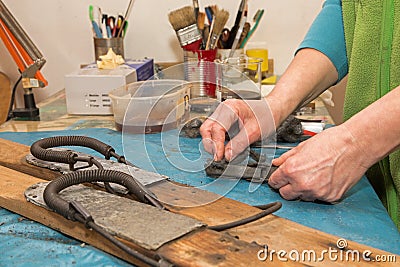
(202, 248)
(276, 232)
(13, 157)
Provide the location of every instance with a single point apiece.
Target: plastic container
(150, 106)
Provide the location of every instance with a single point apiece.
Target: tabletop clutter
(214, 53)
(215, 67)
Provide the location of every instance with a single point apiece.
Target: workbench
(360, 217)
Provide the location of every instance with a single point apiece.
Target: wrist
(367, 150)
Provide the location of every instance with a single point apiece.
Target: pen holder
(102, 45)
(200, 69)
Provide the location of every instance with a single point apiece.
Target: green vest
(372, 33)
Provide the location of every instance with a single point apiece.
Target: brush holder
(200, 69)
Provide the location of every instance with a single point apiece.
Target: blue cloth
(326, 35)
(359, 217)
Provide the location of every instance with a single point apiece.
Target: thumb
(279, 161)
(237, 145)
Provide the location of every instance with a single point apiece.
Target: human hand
(322, 168)
(254, 121)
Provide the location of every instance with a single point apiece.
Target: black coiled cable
(40, 150)
(55, 202)
(73, 211)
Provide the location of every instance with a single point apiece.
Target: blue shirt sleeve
(326, 35)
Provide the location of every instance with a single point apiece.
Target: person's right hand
(254, 120)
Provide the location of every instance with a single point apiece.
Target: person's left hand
(321, 168)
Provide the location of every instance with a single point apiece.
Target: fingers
(279, 161)
(214, 128)
(254, 120)
(213, 139)
(288, 193)
(278, 179)
(238, 144)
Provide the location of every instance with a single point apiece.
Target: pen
(95, 26)
(109, 34)
(104, 25)
(125, 27)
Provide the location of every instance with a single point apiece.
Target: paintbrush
(200, 24)
(239, 32)
(196, 8)
(236, 26)
(218, 24)
(256, 19)
(185, 25)
(125, 20)
(245, 31)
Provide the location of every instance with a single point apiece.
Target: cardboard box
(87, 89)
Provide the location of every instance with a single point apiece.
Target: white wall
(62, 31)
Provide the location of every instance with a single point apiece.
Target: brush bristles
(182, 17)
(221, 17)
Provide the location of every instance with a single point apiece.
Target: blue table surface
(360, 216)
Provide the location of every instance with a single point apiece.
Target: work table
(360, 217)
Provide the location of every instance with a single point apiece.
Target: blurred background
(63, 33)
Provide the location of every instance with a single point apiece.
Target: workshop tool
(218, 24)
(256, 19)
(200, 24)
(234, 247)
(29, 61)
(237, 34)
(239, 20)
(196, 9)
(209, 14)
(44, 154)
(184, 23)
(255, 168)
(124, 22)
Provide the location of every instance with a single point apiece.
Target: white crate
(87, 89)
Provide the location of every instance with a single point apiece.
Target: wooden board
(204, 248)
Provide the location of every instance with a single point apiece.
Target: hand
(254, 121)
(323, 167)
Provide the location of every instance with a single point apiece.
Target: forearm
(376, 129)
(308, 75)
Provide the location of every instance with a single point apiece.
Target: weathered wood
(201, 248)
(276, 232)
(12, 155)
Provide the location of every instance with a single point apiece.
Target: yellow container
(259, 53)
